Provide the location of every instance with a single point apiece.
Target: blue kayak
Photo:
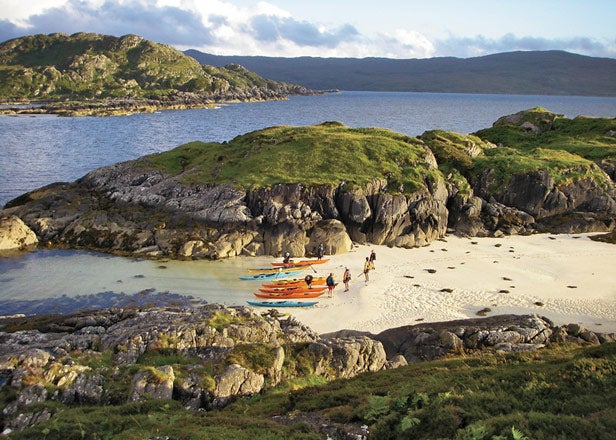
(282, 303)
(270, 276)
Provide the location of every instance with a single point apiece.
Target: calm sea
(38, 150)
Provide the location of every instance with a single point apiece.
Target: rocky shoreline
(127, 106)
(113, 356)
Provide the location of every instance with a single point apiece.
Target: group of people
(346, 276)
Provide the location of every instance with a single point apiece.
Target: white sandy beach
(566, 278)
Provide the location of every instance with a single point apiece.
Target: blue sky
(332, 28)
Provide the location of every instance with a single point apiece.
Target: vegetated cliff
(100, 74)
(207, 357)
(290, 188)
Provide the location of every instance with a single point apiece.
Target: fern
(517, 435)
(409, 422)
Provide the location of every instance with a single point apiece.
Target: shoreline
(567, 278)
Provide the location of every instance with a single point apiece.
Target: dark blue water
(38, 150)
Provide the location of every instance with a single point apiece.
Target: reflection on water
(102, 300)
(73, 274)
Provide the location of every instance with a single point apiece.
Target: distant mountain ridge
(532, 73)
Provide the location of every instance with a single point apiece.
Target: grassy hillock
(331, 154)
(562, 392)
(325, 154)
(591, 138)
(93, 66)
(569, 149)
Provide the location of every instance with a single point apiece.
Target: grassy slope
(326, 154)
(584, 136)
(331, 153)
(559, 393)
(99, 66)
(569, 151)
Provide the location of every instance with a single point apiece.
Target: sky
(332, 28)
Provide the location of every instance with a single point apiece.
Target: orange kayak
(300, 263)
(295, 282)
(294, 295)
(292, 289)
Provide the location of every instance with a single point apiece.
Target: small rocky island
(88, 74)
(290, 188)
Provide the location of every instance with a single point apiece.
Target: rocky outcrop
(15, 235)
(536, 120)
(125, 209)
(537, 194)
(90, 358)
(113, 356)
(502, 333)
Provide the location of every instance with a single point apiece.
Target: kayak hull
(300, 263)
(295, 282)
(271, 276)
(297, 289)
(276, 269)
(282, 303)
(289, 295)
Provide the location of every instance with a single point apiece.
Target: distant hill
(536, 72)
(86, 66)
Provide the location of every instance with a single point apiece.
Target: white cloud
(403, 43)
(226, 27)
(18, 11)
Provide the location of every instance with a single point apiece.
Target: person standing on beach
(367, 266)
(372, 258)
(330, 284)
(320, 251)
(346, 278)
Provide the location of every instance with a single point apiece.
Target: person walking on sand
(367, 266)
(372, 258)
(346, 278)
(330, 284)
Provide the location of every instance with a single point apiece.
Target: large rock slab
(15, 234)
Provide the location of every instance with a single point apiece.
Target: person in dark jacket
(330, 284)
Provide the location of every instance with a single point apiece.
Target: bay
(39, 150)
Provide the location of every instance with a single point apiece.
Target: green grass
(331, 154)
(563, 167)
(583, 136)
(327, 154)
(562, 392)
(93, 66)
(452, 149)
